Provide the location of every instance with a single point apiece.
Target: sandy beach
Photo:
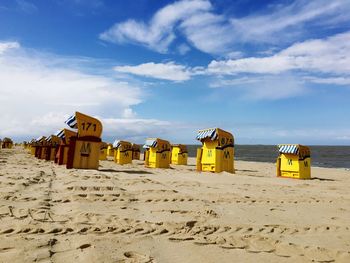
(134, 214)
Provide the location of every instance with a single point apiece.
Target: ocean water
(321, 156)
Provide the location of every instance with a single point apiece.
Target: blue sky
(268, 71)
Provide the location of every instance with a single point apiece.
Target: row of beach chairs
(81, 147)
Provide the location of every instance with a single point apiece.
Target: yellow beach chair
(122, 152)
(110, 150)
(179, 154)
(7, 143)
(294, 161)
(65, 136)
(217, 151)
(136, 151)
(53, 142)
(157, 154)
(84, 148)
(39, 146)
(103, 151)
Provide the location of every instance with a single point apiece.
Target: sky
(270, 72)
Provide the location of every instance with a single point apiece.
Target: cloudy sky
(268, 71)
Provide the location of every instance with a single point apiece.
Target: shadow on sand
(322, 179)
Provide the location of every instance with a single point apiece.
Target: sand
(134, 214)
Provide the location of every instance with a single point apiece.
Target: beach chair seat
(217, 151)
(179, 154)
(110, 150)
(136, 151)
(6, 143)
(51, 147)
(122, 152)
(65, 136)
(294, 161)
(103, 151)
(84, 148)
(157, 154)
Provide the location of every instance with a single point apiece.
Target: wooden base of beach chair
(38, 150)
(84, 152)
(62, 154)
(123, 156)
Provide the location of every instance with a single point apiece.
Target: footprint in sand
(319, 255)
(84, 246)
(260, 245)
(137, 257)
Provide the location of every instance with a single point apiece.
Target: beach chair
(65, 136)
(157, 154)
(294, 161)
(7, 143)
(110, 150)
(122, 152)
(45, 148)
(51, 147)
(84, 148)
(217, 151)
(38, 145)
(179, 154)
(31, 147)
(136, 151)
(103, 151)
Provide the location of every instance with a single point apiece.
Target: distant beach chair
(136, 151)
(179, 154)
(84, 148)
(31, 147)
(110, 150)
(294, 161)
(7, 143)
(217, 151)
(103, 151)
(51, 148)
(45, 148)
(157, 154)
(122, 152)
(38, 145)
(65, 136)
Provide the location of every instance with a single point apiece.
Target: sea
(321, 156)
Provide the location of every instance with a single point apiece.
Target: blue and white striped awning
(60, 134)
(116, 144)
(150, 143)
(48, 139)
(40, 138)
(288, 148)
(71, 122)
(207, 133)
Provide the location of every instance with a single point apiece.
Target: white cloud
(292, 20)
(209, 32)
(330, 55)
(274, 87)
(128, 113)
(135, 127)
(336, 80)
(220, 34)
(39, 90)
(4, 46)
(167, 71)
(158, 33)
